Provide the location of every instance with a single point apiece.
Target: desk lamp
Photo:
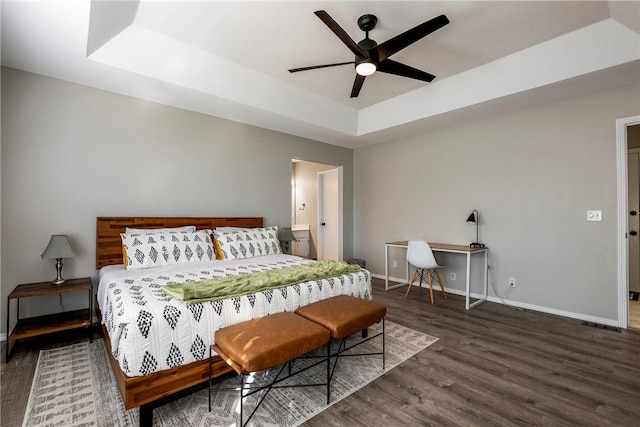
(286, 236)
(474, 218)
(58, 248)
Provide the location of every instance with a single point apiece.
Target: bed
(158, 345)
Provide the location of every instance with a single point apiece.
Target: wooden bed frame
(149, 391)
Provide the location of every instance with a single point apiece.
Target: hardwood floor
(499, 366)
(492, 366)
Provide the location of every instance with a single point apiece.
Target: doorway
(305, 206)
(633, 237)
(625, 130)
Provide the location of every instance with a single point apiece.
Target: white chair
(419, 255)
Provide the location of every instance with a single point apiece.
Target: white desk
(444, 247)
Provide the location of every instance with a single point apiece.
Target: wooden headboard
(108, 229)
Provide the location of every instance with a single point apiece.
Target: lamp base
(477, 245)
(59, 280)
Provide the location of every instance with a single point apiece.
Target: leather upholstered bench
(267, 342)
(345, 315)
(278, 339)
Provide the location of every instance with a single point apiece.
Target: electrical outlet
(452, 276)
(594, 215)
(512, 282)
(395, 263)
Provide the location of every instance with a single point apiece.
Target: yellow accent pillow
(217, 250)
(125, 258)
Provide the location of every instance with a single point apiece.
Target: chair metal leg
(421, 279)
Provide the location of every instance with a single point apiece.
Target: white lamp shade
(58, 247)
(366, 68)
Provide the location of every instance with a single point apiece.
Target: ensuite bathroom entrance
(633, 234)
(316, 210)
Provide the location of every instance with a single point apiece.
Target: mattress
(150, 332)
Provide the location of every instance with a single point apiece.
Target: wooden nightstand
(40, 325)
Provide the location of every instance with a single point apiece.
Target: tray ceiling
(230, 59)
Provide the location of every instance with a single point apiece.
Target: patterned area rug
(74, 386)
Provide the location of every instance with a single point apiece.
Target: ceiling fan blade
(390, 66)
(357, 85)
(403, 40)
(338, 31)
(313, 67)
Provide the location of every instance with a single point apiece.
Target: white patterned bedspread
(150, 332)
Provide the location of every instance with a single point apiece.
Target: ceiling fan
(371, 57)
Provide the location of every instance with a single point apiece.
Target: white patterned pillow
(146, 250)
(247, 244)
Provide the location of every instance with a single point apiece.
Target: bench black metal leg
(245, 392)
(241, 398)
(328, 372)
(383, 349)
(209, 380)
(343, 348)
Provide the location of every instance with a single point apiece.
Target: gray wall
(71, 153)
(532, 175)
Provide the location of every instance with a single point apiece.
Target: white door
(633, 205)
(330, 214)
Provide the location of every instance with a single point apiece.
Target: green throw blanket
(234, 286)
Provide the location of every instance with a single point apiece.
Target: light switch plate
(594, 215)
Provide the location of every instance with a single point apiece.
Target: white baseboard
(526, 306)
(397, 280)
(554, 311)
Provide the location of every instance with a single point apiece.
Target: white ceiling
(230, 59)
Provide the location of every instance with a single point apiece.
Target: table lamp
(474, 218)
(58, 248)
(286, 236)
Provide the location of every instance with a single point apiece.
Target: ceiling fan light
(366, 68)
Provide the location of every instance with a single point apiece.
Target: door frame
(623, 267)
(340, 212)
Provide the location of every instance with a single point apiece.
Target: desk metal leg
(386, 267)
(485, 285)
(467, 283)
(408, 271)
(386, 271)
(486, 275)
